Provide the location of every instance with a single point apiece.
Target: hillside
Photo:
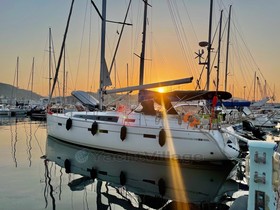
(9, 91)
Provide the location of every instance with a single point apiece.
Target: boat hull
(185, 144)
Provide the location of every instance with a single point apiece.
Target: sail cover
(184, 95)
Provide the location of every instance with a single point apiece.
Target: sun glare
(161, 90)
(175, 169)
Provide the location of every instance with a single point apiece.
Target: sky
(173, 32)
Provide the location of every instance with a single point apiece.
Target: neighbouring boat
(39, 110)
(259, 120)
(11, 111)
(17, 111)
(164, 133)
(4, 111)
(38, 113)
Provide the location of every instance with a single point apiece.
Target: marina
(195, 132)
(42, 172)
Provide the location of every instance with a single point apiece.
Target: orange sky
(174, 30)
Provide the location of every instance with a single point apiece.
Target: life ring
(162, 137)
(68, 124)
(94, 128)
(123, 133)
(67, 166)
(161, 187)
(122, 178)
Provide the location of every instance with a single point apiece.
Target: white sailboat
(13, 109)
(184, 136)
(4, 111)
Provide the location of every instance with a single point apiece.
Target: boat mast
(17, 79)
(219, 51)
(17, 70)
(255, 77)
(102, 54)
(141, 86)
(142, 56)
(32, 75)
(264, 89)
(226, 71)
(66, 82)
(63, 88)
(209, 46)
(61, 52)
(50, 59)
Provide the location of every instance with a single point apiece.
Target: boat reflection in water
(139, 182)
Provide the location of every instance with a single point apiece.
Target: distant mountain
(9, 91)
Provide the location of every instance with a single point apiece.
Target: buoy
(123, 133)
(161, 186)
(94, 128)
(68, 124)
(122, 178)
(93, 173)
(162, 137)
(67, 166)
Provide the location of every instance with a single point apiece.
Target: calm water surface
(22, 172)
(38, 172)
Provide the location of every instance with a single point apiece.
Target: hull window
(150, 136)
(99, 118)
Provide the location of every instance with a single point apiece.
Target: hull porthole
(94, 128)
(123, 133)
(161, 186)
(162, 137)
(67, 166)
(68, 124)
(122, 178)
